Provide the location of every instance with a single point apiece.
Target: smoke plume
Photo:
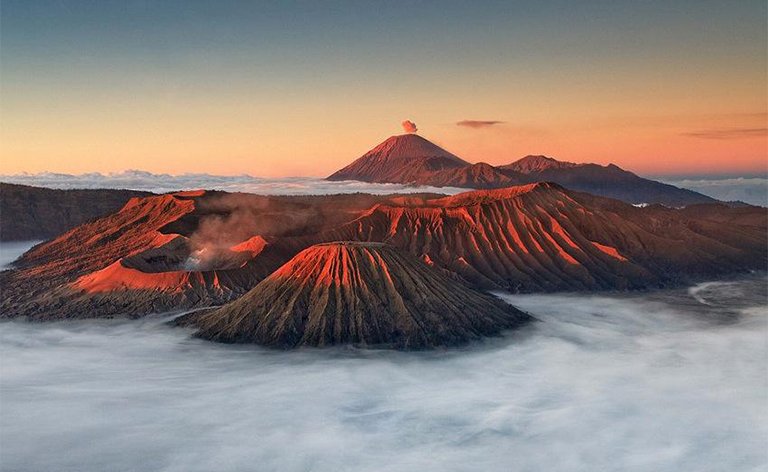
(409, 126)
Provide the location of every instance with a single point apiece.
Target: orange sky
(727, 143)
(657, 88)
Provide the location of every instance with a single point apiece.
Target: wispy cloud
(478, 123)
(728, 133)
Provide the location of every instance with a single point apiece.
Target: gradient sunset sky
(304, 87)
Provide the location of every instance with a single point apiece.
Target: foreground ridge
(201, 249)
(360, 293)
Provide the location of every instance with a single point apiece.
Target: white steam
(658, 382)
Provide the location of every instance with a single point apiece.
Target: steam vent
(364, 294)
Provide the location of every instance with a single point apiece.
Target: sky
(301, 88)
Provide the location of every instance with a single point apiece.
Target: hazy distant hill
(607, 181)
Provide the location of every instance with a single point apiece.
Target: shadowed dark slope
(30, 213)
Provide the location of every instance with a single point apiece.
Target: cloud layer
(664, 382)
(748, 190)
(141, 180)
(11, 250)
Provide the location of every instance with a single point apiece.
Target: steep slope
(122, 263)
(31, 213)
(542, 237)
(399, 159)
(167, 252)
(606, 181)
(367, 294)
(206, 248)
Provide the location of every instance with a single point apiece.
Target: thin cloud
(478, 123)
(732, 133)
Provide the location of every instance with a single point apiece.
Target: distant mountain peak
(411, 145)
(399, 158)
(537, 163)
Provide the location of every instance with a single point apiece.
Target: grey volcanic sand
(664, 381)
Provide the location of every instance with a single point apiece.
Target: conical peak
(368, 294)
(404, 146)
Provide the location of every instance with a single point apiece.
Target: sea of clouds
(160, 183)
(667, 382)
(12, 250)
(750, 190)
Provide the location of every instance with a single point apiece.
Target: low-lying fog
(160, 183)
(10, 251)
(671, 381)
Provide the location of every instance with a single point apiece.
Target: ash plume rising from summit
(409, 126)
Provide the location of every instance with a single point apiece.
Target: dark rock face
(366, 294)
(30, 213)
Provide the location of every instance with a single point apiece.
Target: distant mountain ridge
(531, 164)
(606, 181)
(412, 159)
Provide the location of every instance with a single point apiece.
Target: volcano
(366, 294)
(411, 159)
(400, 159)
(202, 249)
